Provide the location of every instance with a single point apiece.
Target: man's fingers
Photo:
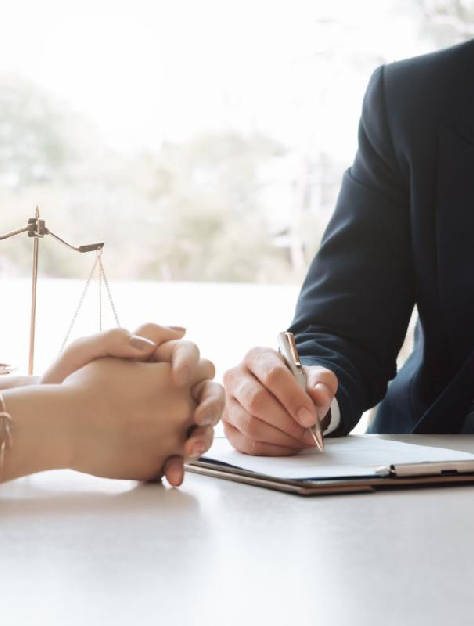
(322, 399)
(321, 387)
(267, 412)
(257, 430)
(316, 374)
(257, 400)
(268, 367)
(210, 398)
(255, 448)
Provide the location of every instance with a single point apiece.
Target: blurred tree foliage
(191, 211)
(35, 145)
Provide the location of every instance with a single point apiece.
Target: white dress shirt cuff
(335, 418)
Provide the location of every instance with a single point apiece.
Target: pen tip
(318, 441)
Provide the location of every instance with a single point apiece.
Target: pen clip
(289, 352)
(290, 338)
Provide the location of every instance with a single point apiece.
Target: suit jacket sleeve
(356, 301)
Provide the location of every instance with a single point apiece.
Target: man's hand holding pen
(267, 413)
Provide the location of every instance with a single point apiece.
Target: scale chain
(106, 283)
(102, 277)
(78, 308)
(100, 296)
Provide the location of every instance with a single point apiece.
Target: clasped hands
(147, 402)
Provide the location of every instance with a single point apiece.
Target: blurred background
(203, 141)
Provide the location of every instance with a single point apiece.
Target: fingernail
(178, 328)
(176, 479)
(305, 417)
(308, 438)
(207, 419)
(141, 343)
(199, 449)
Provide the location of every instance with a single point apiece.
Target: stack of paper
(344, 457)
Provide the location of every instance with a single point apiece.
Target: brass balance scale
(36, 228)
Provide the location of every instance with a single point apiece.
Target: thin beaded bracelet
(6, 439)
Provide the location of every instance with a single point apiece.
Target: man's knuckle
(224, 416)
(254, 447)
(229, 377)
(252, 427)
(218, 394)
(294, 430)
(252, 353)
(295, 400)
(327, 377)
(256, 354)
(274, 376)
(233, 437)
(230, 414)
(257, 400)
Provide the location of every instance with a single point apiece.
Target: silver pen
(289, 352)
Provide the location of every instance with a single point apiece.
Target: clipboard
(388, 477)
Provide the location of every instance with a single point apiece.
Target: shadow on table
(34, 497)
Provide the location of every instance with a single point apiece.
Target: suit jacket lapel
(455, 239)
(455, 266)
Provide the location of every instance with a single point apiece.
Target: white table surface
(80, 550)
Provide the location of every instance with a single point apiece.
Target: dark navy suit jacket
(402, 234)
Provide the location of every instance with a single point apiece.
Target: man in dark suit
(402, 234)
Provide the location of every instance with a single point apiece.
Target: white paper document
(343, 457)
